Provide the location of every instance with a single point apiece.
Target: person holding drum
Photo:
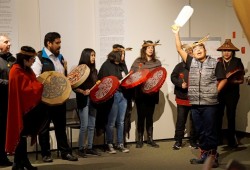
(50, 59)
(25, 116)
(115, 66)
(145, 103)
(230, 94)
(6, 60)
(206, 80)
(87, 109)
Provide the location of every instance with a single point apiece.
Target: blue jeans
(87, 119)
(116, 117)
(204, 119)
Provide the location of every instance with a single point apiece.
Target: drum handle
(97, 82)
(126, 76)
(47, 77)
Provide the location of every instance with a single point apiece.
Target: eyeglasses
(33, 58)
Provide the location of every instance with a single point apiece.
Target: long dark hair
(85, 58)
(143, 51)
(115, 56)
(26, 53)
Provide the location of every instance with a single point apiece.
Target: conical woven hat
(228, 45)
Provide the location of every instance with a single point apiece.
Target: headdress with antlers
(201, 41)
(150, 43)
(122, 49)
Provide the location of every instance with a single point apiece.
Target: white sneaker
(121, 148)
(111, 149)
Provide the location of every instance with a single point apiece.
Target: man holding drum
(50, 59)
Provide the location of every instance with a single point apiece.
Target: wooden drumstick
(126, 76)
(97, 82)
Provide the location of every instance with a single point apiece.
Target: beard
(56, 52)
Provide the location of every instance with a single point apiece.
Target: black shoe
(27, 165)
(82, 153)
(17, 167)
(197, 161)
(69, 157)
(5, 162)
(194, 145)
(152, 143)
(47, 159)
(177, 145)
(92, 152)
(139, 144)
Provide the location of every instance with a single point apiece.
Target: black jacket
(177, 80)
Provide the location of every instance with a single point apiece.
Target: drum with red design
(155, 80)
(135, 79)
(235, 74)
(105, 89)
(78, 75)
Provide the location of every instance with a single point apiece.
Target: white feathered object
(184, 15)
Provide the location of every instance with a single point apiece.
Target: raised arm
(178, 44)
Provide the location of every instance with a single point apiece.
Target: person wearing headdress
(6, 60)
(229, 96)
(145, 103)
(206, 79)
(25, 109)
(115, 66)
(179, 78)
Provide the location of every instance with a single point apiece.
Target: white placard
(110, 26)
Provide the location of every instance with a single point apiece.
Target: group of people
(21, 95)
(202, 86)
(205, 87)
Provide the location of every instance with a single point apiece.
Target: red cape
(25, 93)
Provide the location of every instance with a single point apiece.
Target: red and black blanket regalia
(25, 116)
(24, 95)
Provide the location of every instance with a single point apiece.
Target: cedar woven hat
(228, 45)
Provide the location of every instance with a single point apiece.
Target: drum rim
(53, 102)
(128, 86)
(93, 91)
(87, 71)
(159, 84)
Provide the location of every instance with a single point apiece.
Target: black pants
(56, 114)
(32, 123)
(144, 111)
(3, 121)
(229, 103)
(182, 115)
